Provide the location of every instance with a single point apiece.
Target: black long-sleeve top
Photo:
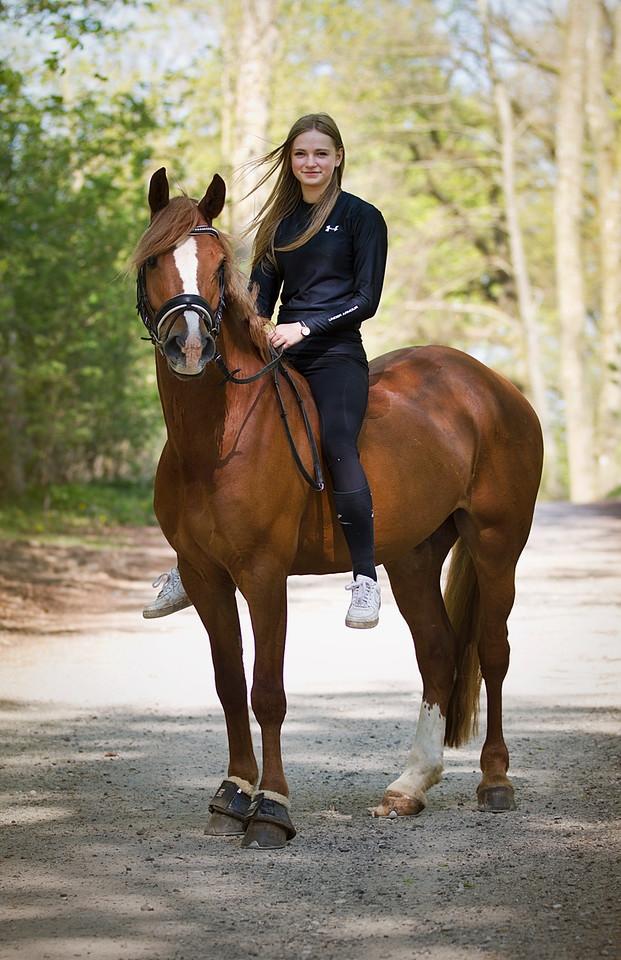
(331, 283)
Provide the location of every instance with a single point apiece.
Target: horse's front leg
(265, 590)
(212, 592)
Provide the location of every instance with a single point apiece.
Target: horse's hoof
(265, 836)
(398, 805)
(221, 825)
(496, 799)
(269, 824)
(229, 810)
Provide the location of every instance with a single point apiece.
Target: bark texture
(526, 303)
(249, 42)
(569, 266)
(605, 138)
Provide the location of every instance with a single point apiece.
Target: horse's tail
(461, 598)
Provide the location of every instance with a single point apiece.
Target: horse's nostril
(209, 349)
(173, 348)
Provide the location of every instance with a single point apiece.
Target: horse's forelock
(168, 227)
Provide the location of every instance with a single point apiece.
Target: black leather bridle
(154, 322)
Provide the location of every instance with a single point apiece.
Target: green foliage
(77, 392)
(409, 85)
(77, 508)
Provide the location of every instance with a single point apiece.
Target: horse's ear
(213, 201)
(158, 191)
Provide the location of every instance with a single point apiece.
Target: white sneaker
(365, 603)
(172, 596)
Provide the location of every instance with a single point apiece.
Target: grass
(76, 509)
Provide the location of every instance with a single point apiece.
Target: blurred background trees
(488, 133)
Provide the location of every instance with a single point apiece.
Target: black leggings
(340, 388)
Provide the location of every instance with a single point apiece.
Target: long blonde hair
(287, 191)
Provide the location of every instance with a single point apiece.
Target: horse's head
(180, 284)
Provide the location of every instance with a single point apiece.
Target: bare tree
(249, 43)
(569, 266)
(605, 138)
(526, 302)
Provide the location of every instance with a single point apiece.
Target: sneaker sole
(361, 624)
(165, 611)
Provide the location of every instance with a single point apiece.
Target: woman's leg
(340, 388)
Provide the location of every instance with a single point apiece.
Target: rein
(154, 320)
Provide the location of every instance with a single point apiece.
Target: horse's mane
(174, 222)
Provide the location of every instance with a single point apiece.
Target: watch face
(305, 330)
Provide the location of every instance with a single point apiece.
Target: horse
(453, 453)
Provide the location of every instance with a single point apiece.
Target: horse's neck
(204, 415)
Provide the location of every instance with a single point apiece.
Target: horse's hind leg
(415, 581)
(494, 545)
(213, 595)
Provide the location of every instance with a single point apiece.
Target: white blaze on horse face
(424, 765)
(186, 261)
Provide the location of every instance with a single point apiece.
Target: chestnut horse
(453, 453)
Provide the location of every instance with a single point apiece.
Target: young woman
(324, 252)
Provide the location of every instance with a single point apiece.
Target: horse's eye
(152, 261)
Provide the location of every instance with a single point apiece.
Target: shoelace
(164, 580)
(361, 592)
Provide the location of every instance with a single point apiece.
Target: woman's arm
(267, 282)
(370, 251)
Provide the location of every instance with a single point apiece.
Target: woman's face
(314, 158)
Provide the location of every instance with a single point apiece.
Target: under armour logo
(328, 228)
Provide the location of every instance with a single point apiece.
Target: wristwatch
(305, 330)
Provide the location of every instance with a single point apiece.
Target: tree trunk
(526, 303)
(527, 306)
(605, 139)
(250, 48)
(13, 427)
(569, 276)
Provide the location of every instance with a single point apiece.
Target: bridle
(155, 322)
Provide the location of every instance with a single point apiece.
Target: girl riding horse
(324, 251)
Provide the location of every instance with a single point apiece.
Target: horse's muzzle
(188, 355)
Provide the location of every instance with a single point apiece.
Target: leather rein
(158, 324)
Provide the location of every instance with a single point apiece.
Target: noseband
(154, 320)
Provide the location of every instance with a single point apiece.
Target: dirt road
(114, 742)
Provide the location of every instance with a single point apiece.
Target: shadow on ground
(105, 855)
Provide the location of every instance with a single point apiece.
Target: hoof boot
(269, 825)
(265, 836)
(221, 825)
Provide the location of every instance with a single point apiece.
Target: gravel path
(114, 742)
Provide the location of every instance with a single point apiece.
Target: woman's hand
(285, 335)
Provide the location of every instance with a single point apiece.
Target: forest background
(488, 133)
